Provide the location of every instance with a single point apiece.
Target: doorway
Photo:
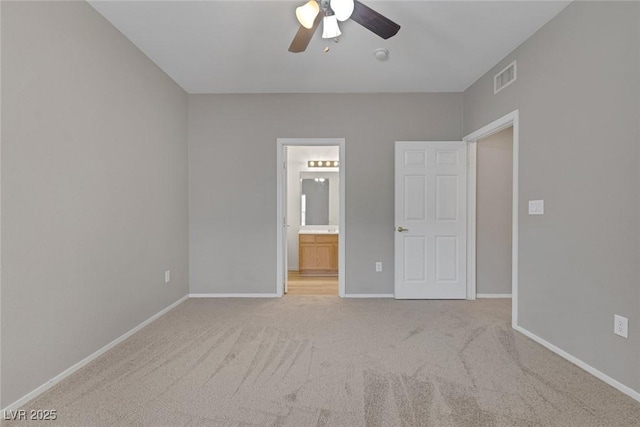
(494, 193)
(311, 232)
(510, 120)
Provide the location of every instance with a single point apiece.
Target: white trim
(272, 295)
(493, 295)
(590, 369)
(281, 238)
(511, 119)
(64, 374)
(494, 127)
(369, 296)
(0, 217)
(472, 166)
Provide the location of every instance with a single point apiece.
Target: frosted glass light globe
(307, 13)
(342, 8)
(330, 28)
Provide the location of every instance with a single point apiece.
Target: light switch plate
(536, 207)
(167, 276)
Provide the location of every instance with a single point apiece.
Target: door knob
(401, 229)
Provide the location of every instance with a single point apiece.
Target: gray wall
(232, 178)
(493, 213)
(578, 94)
(94, 189)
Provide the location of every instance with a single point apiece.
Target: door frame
(281, 237)
(510, 120)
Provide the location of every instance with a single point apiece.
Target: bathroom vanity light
(323, 163)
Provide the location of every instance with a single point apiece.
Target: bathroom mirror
(318, 198)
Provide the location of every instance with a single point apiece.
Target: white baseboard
(493, 295)
(368, 295)
(590, 369)
(55, 380)
(274, 295)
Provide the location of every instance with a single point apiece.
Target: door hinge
(284, 165)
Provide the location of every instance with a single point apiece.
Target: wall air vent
(505, 77)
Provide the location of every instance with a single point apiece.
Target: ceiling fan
(330, 12)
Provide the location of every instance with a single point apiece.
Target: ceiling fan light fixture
(342, 9)
(307, 13)
(330, 29)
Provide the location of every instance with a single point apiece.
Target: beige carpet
(323, 361)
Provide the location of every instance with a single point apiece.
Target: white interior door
(430, 220)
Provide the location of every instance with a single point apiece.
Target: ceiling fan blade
(373, 21)
(303, 36)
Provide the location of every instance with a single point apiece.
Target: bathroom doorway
(311, 232)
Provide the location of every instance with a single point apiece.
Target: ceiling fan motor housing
(326, 6)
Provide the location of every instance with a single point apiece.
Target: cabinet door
(318, 254)
(323, 256)
(307, 256)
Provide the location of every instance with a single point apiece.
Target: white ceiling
(241, 46)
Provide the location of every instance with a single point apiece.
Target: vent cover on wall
(504, 78)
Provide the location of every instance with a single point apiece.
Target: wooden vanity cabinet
(318, 254)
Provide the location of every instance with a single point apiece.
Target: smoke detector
(381, 54)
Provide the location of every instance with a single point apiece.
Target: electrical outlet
(378, 266)
(167, 276)
(621, 326)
